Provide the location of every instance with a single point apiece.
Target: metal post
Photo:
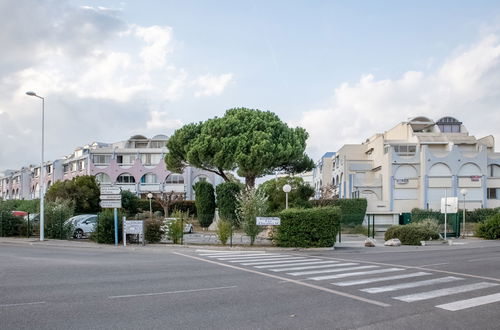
(463, 235)
(28, 231)
(368, 220)
(445, 211)
(231, 239)
(124, 231)
(286, 200)
(115, 213)
(373, 224)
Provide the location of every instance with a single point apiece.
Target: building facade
(415, 164)
(136, 165)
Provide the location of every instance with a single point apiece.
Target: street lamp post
(286, 189)
(463, 192)
(41, 183)
(150, 195)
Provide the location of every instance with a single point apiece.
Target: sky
(343, 70)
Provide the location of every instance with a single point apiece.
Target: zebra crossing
(366, 277)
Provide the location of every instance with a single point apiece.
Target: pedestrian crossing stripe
(380, 279)
(291, 263)
(336, 270)
(445, 292)
(469, 303)
(408, 285)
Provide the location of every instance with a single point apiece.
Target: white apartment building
(414, 164)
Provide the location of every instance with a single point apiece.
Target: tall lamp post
(286, 189)
(41, 183)
(463, 192)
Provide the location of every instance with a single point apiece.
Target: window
(150, 159)
(149, 178)
(158, 144)
(101, 159)
(493, 193)
(125, 178)
(494, 171)
(49, 169)
(141, 144)
(102, 178)
(125, 159)
(81, 165)
(73, 166)
(65, 168)
(175, 179)
(405, 150)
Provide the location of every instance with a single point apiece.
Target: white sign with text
(268, 221)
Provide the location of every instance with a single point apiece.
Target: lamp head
(463, 191)
(287, 188)
(31, 93)
(150, 195)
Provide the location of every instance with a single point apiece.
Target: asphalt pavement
(81, 285)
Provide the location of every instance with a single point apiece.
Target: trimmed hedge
(315, 227)
(490, 228)
(353, 210)
(476, 215)
(227, 203)
(205, 202)
(410, 234)
(184, 207)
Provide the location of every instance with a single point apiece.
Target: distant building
(412, 164)
(136, 165)
(322, 174)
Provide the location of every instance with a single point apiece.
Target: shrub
(251, 204)
(205, 202)
(227, 203)
(490, 228)
(175, 228)
(188, 207)
(298, 197)
(223, 230)
(143, 205)
(431, 224)
(353, 210)
(316, 227)
(154, 230)
(10, 225)
(410, 234)
(479, 215)
(105, 228)
(130, 203)
(56, 213)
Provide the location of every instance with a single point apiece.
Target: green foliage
(82, 190)
(205, 203)
(227, 203)
(490, 228)
(431, 224)
(254, 142)
(252, 203)
(315, 227)
(175, 228)
(30, 206)
(130, 203)
(143, 206)
(105, 228)
(188, 207)
(56, 213)
(479, 215)
(10, 225)
(353, 210)
(411, 234)
(154, 230)
(223, 230)
(298, 197)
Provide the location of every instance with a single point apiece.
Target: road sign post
(111, 198)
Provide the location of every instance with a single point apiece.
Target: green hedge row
(476, 215)
(353, 210)
(316, 227)
(410, 234)
(490, 228)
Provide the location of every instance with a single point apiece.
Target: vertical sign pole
(445, 211)
(115, 212)
(124, 231)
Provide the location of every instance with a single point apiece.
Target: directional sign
(268, 221)
(110, 204)
(110, 190)
(111, 197)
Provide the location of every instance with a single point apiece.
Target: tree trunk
(250, 182)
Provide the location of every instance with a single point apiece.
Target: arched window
(174, 179)
(494, 171)
(125, 178)
(102, 178)
(149, 178)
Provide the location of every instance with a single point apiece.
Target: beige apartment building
(414, 165)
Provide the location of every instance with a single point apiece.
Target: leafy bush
(431, 224)
(82, 190)
(205, 203)
(188, 207)
(10, 225)
(353, 210)
(143, 206)
(410, 234)
(479, 215)
(227, 203)
(490, 228)
(251, 204)
(298, 197)
(56, 213)
(105, 228)
(175, 228)
(30, 206)
(154, 230)
(130, 203)
(223, 230)
(316, 227)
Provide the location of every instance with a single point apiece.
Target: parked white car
(188, 227)
(84, 225)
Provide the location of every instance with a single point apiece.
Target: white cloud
(466, 86)
(162, 121)
(212, 85)
(159, 40)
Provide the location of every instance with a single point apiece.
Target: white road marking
(23, 304)
(408, 285)
(482, 259)
(468, 303)
(259, 255)
(270, 261)
(370, 272)
(309, 285)
(170, 292)
(256, 258)
(219, 251)
(335, 270)
(445, 292)
(288, 263)
(380, 279)
(300, 268)
(442, 263)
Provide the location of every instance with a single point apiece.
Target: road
(51, 287)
